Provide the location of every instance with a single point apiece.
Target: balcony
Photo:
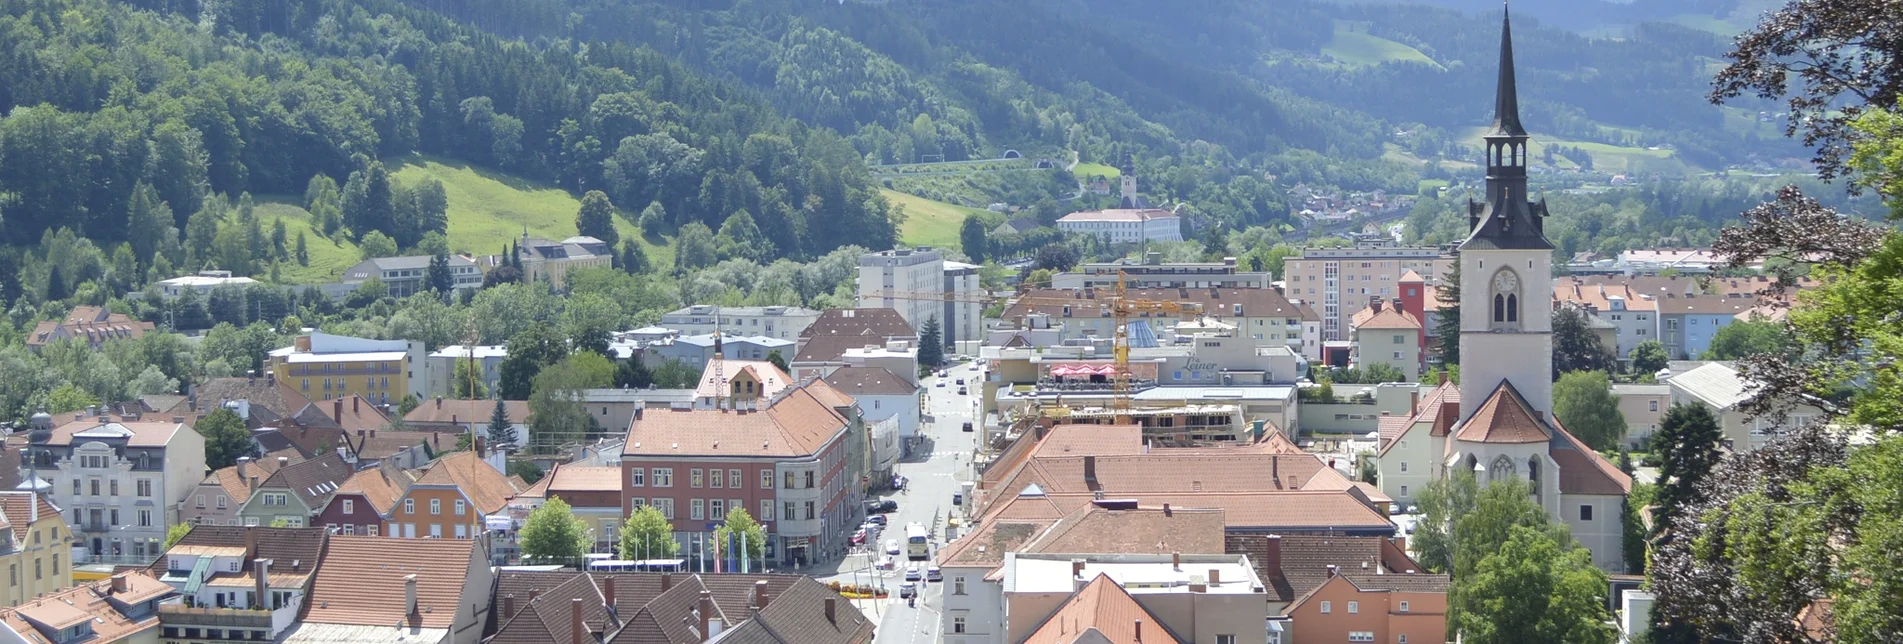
(181, 614)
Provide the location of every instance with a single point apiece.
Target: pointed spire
(1506, 103)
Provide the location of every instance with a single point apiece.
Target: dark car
(876, 508)
(967, 425)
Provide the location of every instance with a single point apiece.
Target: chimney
(759, 595)
(439, 402)
(337, 410)
(1166, 510)
(1215, 576)
(1400, 542)
(1275, 471)
(1090, 472)
(409, 596)
(667, 581)
(1414, 402)
(831, 615)
(1443, 376)
(534, 594)
(1274, 563)
(271, 378)
(508, 606)
(1451, 410)
(707, 614)
(1333, 571)
(1076, 568)
(261, 577)
(1139, 628)
(1176, 561)
(373, 433)
(1374, 304)
(608, 591)
(283, 461)
(250, 540)
(574, 621)
(356, 404)
(118, 583)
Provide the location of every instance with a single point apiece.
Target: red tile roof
(487, 489)
(797, 424)
(379, 486)
(467, 412)
(16, 512)
(1102, 609)
(1583, 471)
(1504, 418)
(360, 581)
(1387, 317)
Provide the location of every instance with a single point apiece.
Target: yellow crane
(1120, 304)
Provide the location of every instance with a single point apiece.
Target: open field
(1353, 46)
(1605, 158)
(934, 223)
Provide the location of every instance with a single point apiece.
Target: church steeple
(1508, 220)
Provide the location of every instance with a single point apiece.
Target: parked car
(962, 392)
(958, 498)
(941, 383)
(934, 574)
(961, 382)
(908, 591)
(888, 505)
(912, 574)
(887, 562)
(899, 481)
(877, 519)
(967, 425)
(892, 547)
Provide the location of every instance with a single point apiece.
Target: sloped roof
(1715, 384)
(1093, 440)
(268, 399)
(349, 413)
(385, 444)
(837, 330)
(87, 601)
(361, 581)
(1583, 471)
(772, 380)
(1504, 418)
(1415, 583)
(797, 615)
(1265, 510)
(1387, 317)
(869, 381)
(487, 489)
(235, 479)
(313, 481)
(16, 512)
(1104, 608)
(576, 478)
(797, 424)
(138, 433)
(549, 617)
(467, 412)
(380, 486)
(1144, 530)
(291, 550)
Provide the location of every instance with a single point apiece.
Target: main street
(940, 462)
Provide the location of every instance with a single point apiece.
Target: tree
(1743, 338)
(971, 238)
(597, 218)
(931, 345)
(1056, 257)
(466, 383)
(554, 533)
(557, 415)
(1649, 357)
(176, 533)
(647, 534)
(1632, 528)
(226, 438)
(1532, 589)
(633, 259)
(1687, 445)
(501, 429)
(694, 247)
(653, 220)
(1447, 326)
(1443, 501)
(1584, 403)
(303, 253)
(528, 470)
(529, 351)
(439, 278)
(740, 528)
(775, 358)
(1575, 346)
(69, 397)
(375, 244)
(740, 238)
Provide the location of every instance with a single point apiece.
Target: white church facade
(1498, 422)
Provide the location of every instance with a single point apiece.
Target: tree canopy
(1584, 403)
(553, 532)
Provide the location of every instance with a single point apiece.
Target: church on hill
(1498, 423)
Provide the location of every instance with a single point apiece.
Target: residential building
(363, 500)
(1688, 322)
(375, 590)
(881, 395)
(261, 400)
(1721, 389)
(552, 260)
(1187, 597)
(1339, 281)
(565, 606)
(407, 450)
(118, 480)
(963, 318)
(1210, 368)
(897, 356)
(1098, 612)
(823, 346)
(1255, 313)
(217, 499)
(693, 351)
(450, 499)
(203, 283)
(1682, 260)
(1384, 334)
(121, 609)
(93, 325)
(1501, 426)
(409, 275)
(236, 584)
(690, 463)
(1152, 272)
(441, 367)
(777, 322)
(325, 366)
(592, 492)
(1633, 315)
(615, 407)
(1643, 407)
(295, 491)
(342, 415)
(471, 417)
(908, 280)
(1356, 606)
(33, 541)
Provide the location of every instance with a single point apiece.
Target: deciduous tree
(554, 533)
(647, 534)
(226, 438)
(1584, 403)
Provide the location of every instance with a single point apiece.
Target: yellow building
(322, 366)
(34, 548)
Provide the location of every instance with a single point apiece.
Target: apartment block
(324, 366)
(1152, 272)
(1339, 281)
(409, 275)
(118, 479)
(921, 285)
(778, 322)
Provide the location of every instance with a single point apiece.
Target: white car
(892, 546)
(887, 562)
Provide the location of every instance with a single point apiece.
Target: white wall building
(204, 282)
(119, 481)
(914, 282)
(963, 319)
(882, 395)
(441, 366)
(778, 322)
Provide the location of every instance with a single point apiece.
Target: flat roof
(372, 356)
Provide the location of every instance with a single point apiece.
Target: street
(937, 467)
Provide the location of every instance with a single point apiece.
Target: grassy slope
(486, 210)
(1085, 170)
(1358, 48)
(933, 223)
(1605, 158)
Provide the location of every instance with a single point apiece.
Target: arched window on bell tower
(1505, 289)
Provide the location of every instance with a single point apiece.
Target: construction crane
(1120, 304)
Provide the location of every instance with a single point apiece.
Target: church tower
(1128, 172)
(1506, 273)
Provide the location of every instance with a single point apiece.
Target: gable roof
(1104, 608)
(797, 615)
(75, 605)
(837, 330)
(1144, 530)
(379, 486)
(235, 479)
(467, 412)
(137, 433)
(291, 550)
(566, 478)
(1715, 384)
(1386, 317)
(1504, 418)
(797, 424)
(349, 413)
(16, 512)
(487, 489)
(549, 615)
(1583, 471)
(869, 381)
(772, 380)
(361, 581)
(313, 481)
(378, 445)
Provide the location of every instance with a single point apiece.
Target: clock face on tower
(1505, 282)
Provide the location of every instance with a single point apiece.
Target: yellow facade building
(35, 548)
(322, 366)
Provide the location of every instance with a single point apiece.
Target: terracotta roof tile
(235, 479)
(576, 478)
(797, 615)
(268, 399)
(869, 381)
(313, 481)
(349, 413)
(1504, 418)
(1387, 317)
(361, 581)
(1583, 471)
(772, 380)
(797, 424)
(1281, 510)
(83, 602)
(379, 486)
(549, 617)
(1104, 608)
(827, 394)
(488, 490)
(837, 330)
(1415, 583)
(291, 550)
(16, 512)
(140, 433)
(1152, 530)
(466, 412)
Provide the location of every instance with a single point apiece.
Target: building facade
(1124, 225)
(449, 499)
(295, 492)
(324, 367)
(441, 367)
(552, 260)
(34, 554)
(118, 480)
(217, 499)
(778, 322)
(908, 280)
(1384, 334)
(409, 275)
(1152, 272)
(963, 318)
(1339, 281)
(1359, 607)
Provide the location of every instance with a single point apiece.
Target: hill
(1352, 45)
(934, 223)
